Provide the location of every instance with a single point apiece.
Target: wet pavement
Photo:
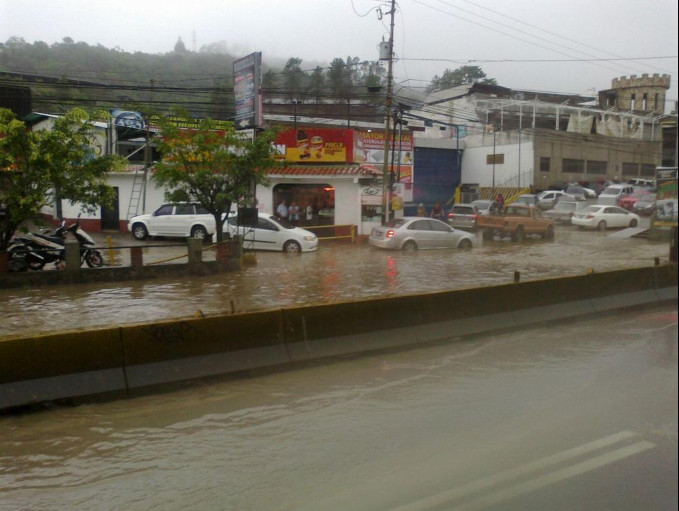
(572, 416)
(336, 272)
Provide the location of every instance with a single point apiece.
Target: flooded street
(577, 416)
(335, 272)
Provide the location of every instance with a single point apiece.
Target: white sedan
(272, 233)
(603, 217)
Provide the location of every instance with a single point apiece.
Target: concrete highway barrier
(171, 351)
(116, 361)
(57, 366)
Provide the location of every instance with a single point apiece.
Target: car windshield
(611, 190)
(395, 223)
(482, 205)
(282, 222)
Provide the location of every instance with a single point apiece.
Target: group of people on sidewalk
(294, 212)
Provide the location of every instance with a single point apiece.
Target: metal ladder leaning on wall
(137, 190)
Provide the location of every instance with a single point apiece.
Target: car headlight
(309, 238)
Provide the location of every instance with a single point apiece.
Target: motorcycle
(35, 250)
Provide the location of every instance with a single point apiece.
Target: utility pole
(386, 188)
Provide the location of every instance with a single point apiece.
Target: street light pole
(387, 133)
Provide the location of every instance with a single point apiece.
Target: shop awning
(327, 170)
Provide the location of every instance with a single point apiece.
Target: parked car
(180, 220)
(602, 217)
(527, 200)
(463, 216)
(597, 187)
(646, 204)
(272, 233)
(564, 211)
(549, 198)
(648, 183)
(413, 233)
(559, 185)
(577, 192)
(486, 207)
(629, 201)
(611, 196)
(518, 221)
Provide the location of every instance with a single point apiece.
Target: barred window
(573, 166)
(545, 164)
(630, 169)
(597, 167)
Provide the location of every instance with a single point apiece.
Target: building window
(573, 166)
(647, 170)
(630, 169)
(645, 107)
(657, 96)
(633, 102)
(545, 164)
(597, 167)
(498, 159)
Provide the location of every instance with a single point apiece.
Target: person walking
(282, 210)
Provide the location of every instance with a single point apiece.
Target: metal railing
(335, 228)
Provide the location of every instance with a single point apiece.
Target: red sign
(309, 145)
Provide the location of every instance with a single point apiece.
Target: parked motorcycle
(35, 250)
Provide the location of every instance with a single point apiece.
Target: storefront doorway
(321, 198)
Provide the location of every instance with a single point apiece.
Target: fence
(334, 232)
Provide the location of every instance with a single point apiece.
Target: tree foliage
(212, 167)
(37, 167)
(460, 76)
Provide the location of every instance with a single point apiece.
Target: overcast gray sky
(319, 30)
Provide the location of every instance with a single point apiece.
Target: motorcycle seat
(53, 239)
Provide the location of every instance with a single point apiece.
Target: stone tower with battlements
(645, 94)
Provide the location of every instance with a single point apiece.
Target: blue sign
(128, 119)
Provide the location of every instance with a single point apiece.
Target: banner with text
(369, 148)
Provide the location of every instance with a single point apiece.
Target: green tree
(460, 76)
(179, 46)
(316, 84)
(293, 76)
(36, 167)
(212, 166)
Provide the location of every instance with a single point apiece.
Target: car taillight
(475, 217)
(450, 215)
(390, 234)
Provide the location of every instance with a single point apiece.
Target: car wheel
(140, 232)
(602, 226)
(199, 232)
(519, 235)
(292, 247)
(550, 233)
(465, 244)
(409, 246)
(634, 223)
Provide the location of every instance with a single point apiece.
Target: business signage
(315, 146)
(369, 148)
(127, 119)
(668, 192)
(247, 85)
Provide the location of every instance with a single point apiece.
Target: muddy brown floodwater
(336, 272)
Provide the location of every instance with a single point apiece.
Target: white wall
(475, 169)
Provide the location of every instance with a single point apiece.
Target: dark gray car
(564, 211)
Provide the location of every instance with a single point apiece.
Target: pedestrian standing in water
(438, 213)
(293, 212)
(309, 216)
(500, 202)
(282, 210)
(421, 211)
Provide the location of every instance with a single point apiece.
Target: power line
(492, 61)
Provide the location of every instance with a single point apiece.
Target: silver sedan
(413, 233)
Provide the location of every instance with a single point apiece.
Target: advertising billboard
(310, 145)
(247, 86)
(668, 193)
(369, 148)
